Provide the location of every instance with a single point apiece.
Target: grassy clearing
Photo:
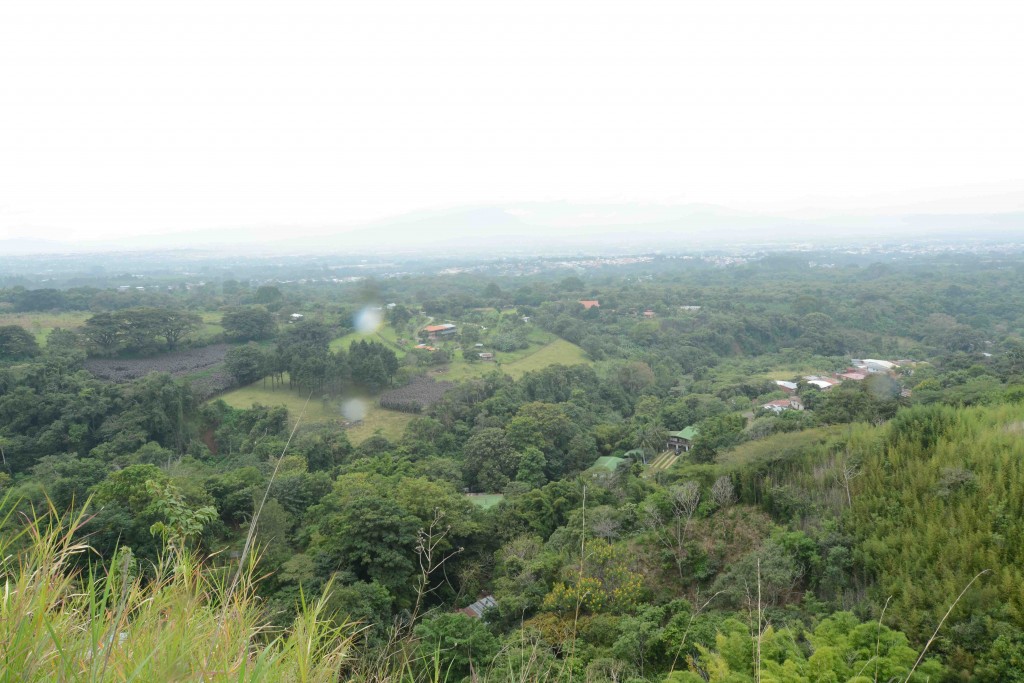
(557, 352)
(551, 351)
(41, 324)
(315, 411)
(460, 369)
(386, 335)
(788, 375)
(663, 461)
(545, 349)
(211, 326)
(485, 500)
(391, 423)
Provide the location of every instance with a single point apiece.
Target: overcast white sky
(147, 116)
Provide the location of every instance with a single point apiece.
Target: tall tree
(365, 532)
(248, 323)
(489, 460)
(104, 332)
(17, 343)
(245, 363)
(176, 325)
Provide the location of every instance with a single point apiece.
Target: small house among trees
(873, 365)
(787, 387)
(791, 403)
(853, 375)
(435, 332)
(681, 441)
(476, 610)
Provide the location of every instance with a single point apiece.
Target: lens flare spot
(354, 409)
(368, 320)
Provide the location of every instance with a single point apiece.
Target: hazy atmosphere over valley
(474, 342)
(130, 125)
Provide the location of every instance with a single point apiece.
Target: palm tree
(650, 438)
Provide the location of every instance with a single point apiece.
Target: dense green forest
(315, 464)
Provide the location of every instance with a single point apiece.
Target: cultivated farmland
(204, 366)
(416, 396)
(663, 462)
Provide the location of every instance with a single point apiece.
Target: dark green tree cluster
(139, 330)
(17, 343)
(248, 323)
(303, 352)
(372, 364)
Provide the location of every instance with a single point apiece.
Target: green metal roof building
(681, 441)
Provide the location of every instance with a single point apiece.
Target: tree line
(303, 354)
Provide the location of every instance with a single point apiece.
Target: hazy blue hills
(552, 226)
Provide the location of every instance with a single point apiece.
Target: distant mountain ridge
(525, 227)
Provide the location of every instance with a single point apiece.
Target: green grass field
(391, 423)
(386, 335)
(663, 461)
(545, 349)
(558, 351)
(245, 397)
(551, 351)
(211, 326)
(485, 500)
(41, 324)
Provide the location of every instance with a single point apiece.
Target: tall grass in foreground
(181, 623)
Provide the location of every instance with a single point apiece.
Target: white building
(875, 365)
(822, 383)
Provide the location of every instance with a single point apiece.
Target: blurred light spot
(368, 320)
(353, 409)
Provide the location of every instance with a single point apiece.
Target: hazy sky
(146, 116)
